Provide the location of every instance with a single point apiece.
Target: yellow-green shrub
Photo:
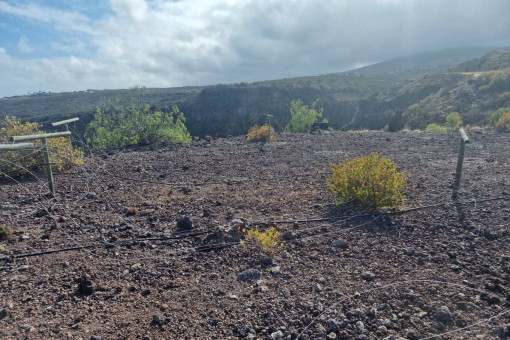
(267, 240)
(260, 133)
(371, 181)
(503, 123)
(436, 128)
(62, 154)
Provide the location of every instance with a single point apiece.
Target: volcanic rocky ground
(342, 273)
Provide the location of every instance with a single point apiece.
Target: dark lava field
(144, 244)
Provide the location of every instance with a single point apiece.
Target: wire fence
(97, 167)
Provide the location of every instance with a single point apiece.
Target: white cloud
(170, 43)
(63, 21)
(24, 47)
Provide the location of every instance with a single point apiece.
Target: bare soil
(443, 268)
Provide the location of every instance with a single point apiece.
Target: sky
(62, 45)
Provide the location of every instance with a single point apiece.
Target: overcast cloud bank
(191, 42)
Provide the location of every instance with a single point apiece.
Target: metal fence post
(46, 156)
(269, 138)
(458, 172)
(45, 151)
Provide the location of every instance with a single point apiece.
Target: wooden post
(46, 156)
(20, 146)
(66, 124)
(46, 153)
(44, 135)
(67, 121)
(269, 139)
(458, 172)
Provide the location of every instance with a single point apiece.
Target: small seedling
(267, 240)
(4, 232)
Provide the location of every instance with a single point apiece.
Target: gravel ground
(144, 271)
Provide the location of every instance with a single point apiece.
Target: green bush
(118, 126)
(437, 128)
(503, 123)
(260, 133)
(453, 121)
(63, 155)
(495, 115)
(372, 181)
(303, 116)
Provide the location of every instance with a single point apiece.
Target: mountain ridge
(367, 97)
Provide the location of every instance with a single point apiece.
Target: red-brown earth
(441, 269)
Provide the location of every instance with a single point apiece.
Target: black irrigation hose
(223, 245)
(504, 198)
(111, 244)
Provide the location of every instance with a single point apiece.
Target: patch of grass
(436, 128)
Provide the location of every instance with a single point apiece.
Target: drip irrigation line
(224, 245)
(112, 244)
(322, 219)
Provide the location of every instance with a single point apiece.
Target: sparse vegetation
(503, 123)
(303, 116)
(453, 121)
(436, 128)
(372, 181)
(261, 133)
(267, 240)
(63, 155)
(4, 232)
(494, 116)
(122, 125)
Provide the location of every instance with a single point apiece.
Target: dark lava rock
(157, 321)
(249, 275)
(224, 235)
(342, 244)
(242, 331)
(87, 287)
(41, 213)
(184, 224)
(443, 314)
(490, 299)
(288, 235)
(332, 326)
(185, 190)
(267, 261)
(369, 276)
(90, 196)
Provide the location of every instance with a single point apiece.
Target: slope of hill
(474, 89)
(424, 63)
(370, 97)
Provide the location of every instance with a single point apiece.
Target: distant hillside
(424, 63)
(370, 97)
(474, 89)
(497, 60)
